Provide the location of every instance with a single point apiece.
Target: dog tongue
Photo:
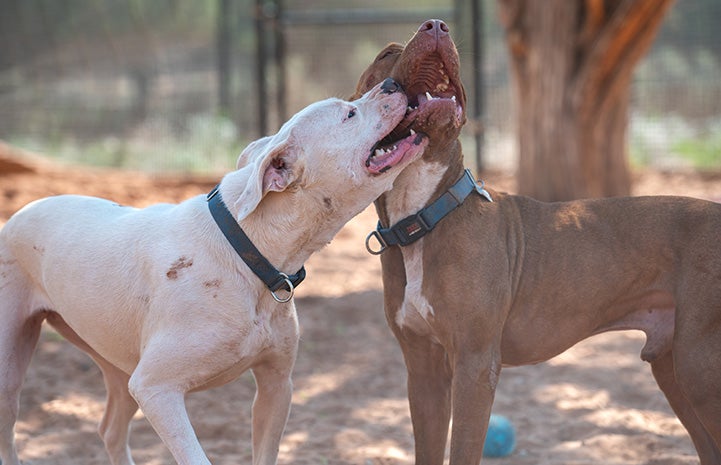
(381, 160)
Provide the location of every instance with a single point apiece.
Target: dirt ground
(595, 404)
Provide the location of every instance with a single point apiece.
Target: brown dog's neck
(421, 183)
(452, 155)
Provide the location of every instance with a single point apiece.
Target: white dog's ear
(255, 147)
(273, 170)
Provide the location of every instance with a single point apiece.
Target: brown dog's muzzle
(428, 69)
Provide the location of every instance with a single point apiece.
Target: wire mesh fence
(135, 84)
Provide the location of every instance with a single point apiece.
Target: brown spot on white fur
(214, 283)
(179, 264)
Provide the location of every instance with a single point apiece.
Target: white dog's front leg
(164, 407)
(270, 411)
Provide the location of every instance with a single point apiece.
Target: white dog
(163, 303)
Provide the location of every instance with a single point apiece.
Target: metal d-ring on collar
(273, 279)
(413, 227)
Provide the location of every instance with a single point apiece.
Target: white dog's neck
(286, 230)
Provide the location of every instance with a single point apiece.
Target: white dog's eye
(351, 113)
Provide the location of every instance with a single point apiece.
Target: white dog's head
(329, 152)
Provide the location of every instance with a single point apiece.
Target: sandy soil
(595, 404)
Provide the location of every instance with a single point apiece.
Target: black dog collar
(413, 227)
(252, 257)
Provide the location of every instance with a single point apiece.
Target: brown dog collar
(413, 227)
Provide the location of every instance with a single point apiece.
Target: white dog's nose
(390, 86)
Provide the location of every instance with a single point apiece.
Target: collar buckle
(413, 227)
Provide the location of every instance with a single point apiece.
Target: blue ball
(500, 438)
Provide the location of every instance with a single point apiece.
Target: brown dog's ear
(269, 170)
(378, 70)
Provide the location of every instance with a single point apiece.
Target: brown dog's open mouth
(430, 79)
(434, 102)
(387, 154)
(433, 98)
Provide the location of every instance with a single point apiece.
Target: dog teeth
(413, 133)
(429, 96)
(453, 98)
(381, 152)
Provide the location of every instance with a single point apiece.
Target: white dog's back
(105, 262)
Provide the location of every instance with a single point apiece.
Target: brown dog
(516, 281)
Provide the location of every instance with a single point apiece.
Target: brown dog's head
(428, 68)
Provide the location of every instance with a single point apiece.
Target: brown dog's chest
(415, 313)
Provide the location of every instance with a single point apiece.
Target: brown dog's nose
(434, 26)
(390, 86)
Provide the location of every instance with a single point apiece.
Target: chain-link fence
(134, 83)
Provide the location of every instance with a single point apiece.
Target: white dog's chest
(265, 336)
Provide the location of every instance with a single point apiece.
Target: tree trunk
(572, 63)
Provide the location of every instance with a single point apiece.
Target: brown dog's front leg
(474, 385)
(429, 396)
